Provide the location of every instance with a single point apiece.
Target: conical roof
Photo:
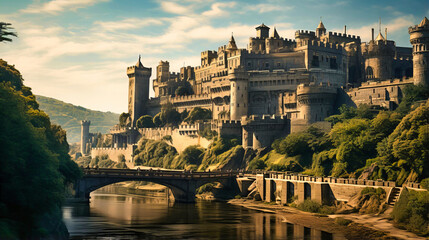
(380, 37)
(424, 22)
(275, 34)
(231, 44)
(139, 63)
(262, 26)
(321, 26)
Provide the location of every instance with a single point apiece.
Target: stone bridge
(182, 184)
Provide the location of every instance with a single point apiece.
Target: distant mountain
(68, 116)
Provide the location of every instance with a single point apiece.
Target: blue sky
(78, 50)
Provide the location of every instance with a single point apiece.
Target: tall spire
(275, 34)
(139, 63)
(424, 22)
(231, 44)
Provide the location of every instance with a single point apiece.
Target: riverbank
(361, 227)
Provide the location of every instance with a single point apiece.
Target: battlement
(311, 88)
(385, 83)
(109, 149)
(305, 32)
(190, 97)
(315, 43)
(343, 35)
(85, 122)
(417, 28)
(263, 119)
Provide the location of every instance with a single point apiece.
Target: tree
(198, 113)
(183, 91)
(145, 121)
(124, 120)
(169, 115)
(5, 32)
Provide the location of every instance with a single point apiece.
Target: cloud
(129, 23)
(393, 26)
(267, 7)
(217, 11)
(57, 6)
(172, 7)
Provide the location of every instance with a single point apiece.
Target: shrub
(310, 206)
(412, 211)
(342, 221)
(425, 183)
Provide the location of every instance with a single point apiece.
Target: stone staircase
(393, 196)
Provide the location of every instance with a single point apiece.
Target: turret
(239, 93)
(84, 136)
(419, 38)
(138, 91)
(262, 31)
(320, 30)
(379, 54)
(231, 45)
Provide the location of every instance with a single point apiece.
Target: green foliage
(206, 188)
(192, 155)
(208, 133)
(168, 138)
(35, 165)
(10, 75)
(412, 211)
(212, 155)
(257, 163)
(314, 207)
(342, 221)
(425, 183)
(157, 120)
(145, 121)
(197, 114)
(68, 116)
(5, 32)
(125, 120)
(412, 94)
(184, 91)
(154, 153)
(168, 116)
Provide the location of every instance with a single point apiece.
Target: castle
(276, 85)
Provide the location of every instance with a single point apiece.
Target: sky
(77, 51)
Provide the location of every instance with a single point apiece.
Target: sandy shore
(362, 227)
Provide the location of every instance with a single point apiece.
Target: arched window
(369, 73)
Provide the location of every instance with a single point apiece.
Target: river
(114, 214)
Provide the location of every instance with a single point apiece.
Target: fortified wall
(115, 153)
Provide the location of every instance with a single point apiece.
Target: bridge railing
(111, 172)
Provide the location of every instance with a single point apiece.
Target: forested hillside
(68, 116)
(35, 167)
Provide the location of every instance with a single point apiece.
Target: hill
(68, 116)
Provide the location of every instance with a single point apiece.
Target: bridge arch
(183, 186)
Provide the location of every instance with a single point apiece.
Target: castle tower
(239, 93)
(231, 45)
(138, 91)
(379, 54)
(320, 30)
(262, 31)
(419, 38)
(162, 77)
(84, 136)
(315, 102)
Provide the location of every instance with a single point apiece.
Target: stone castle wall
(115, 153)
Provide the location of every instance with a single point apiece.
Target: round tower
(315, 102)
(84, 136)
(419, 38)
(320, 30)
(379, 54)
(239, 93)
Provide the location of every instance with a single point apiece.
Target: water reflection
(136, 217)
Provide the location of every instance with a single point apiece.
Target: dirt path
(381, 223)
(363, 226)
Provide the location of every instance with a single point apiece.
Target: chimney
(372, 33)
(345, 29)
